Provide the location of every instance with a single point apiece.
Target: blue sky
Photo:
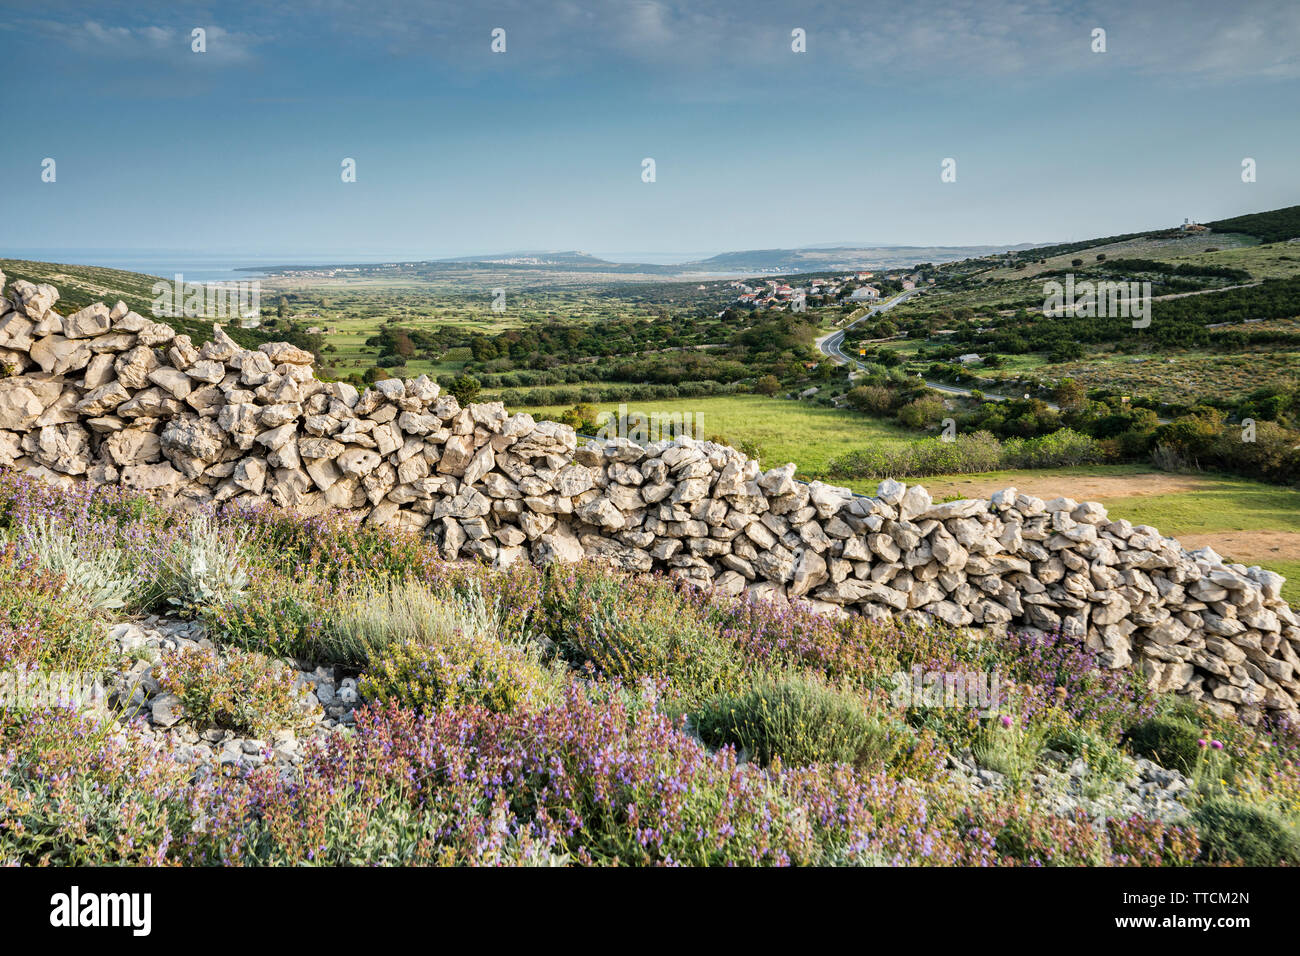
(463, 151)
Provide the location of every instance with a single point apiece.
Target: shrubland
(568, 715)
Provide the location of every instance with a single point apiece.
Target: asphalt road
(833, 346)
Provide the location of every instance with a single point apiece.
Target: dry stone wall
(109, 396)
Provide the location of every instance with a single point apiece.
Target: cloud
(736, 41)
(91, 38)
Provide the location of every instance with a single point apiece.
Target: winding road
(832, 345)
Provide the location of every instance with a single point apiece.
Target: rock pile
(326, 703)
(109, 396)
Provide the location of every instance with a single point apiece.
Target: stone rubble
(109, 396)
(133, 693)
(1064, 785)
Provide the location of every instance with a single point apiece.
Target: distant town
(853, 287)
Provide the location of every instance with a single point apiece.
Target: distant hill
(1272, 226)
(1276, 225)
(536, 259)
(820, 259)
(809, 259)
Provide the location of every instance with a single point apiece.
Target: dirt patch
(1078, 487)
(1250, 547)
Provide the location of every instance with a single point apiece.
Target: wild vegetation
(568, 716)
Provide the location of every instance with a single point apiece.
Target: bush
(1063, 447)
(99, 577)
(921, 412)
(276, 615)
(72, 793)
(202, 567)
(1232, 831)
(633, 629)
(430, 652)
(399, 613)
(42, 624)
(465, 388)
(1170, 741)
(932, 456)
(800, 721)
(468, 670)
(970, 452)
(872, 399)
(242, 691)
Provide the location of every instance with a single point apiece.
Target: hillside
(498, 582)
(340, 693)
(1276, 225)
(80, 286)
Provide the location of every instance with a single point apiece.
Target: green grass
(785, 430)
(1277, 260)
(1181, 249)
(1228, 504)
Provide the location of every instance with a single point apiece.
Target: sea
(195, 267)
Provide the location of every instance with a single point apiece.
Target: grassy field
(1233, 249)
(1276, 260)
(784, 430)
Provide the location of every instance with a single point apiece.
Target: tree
(581, 417)
(1070, 395)
(1076, 262)
(402, 343)
(921, 412)
(873, 399)
(1065, 352)
(768, 385)
(465, 388)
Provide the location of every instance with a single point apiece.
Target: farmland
(781, 430)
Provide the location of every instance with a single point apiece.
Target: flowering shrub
(799, 721)
(472, 751)
(1136, 841)
(629, 630)
(42, 623)
(589, 779)
(464, 668)
(601, 776)
(74, 794)
(332, 546)
(278, 614)
(1058, 679)
(241, 691)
